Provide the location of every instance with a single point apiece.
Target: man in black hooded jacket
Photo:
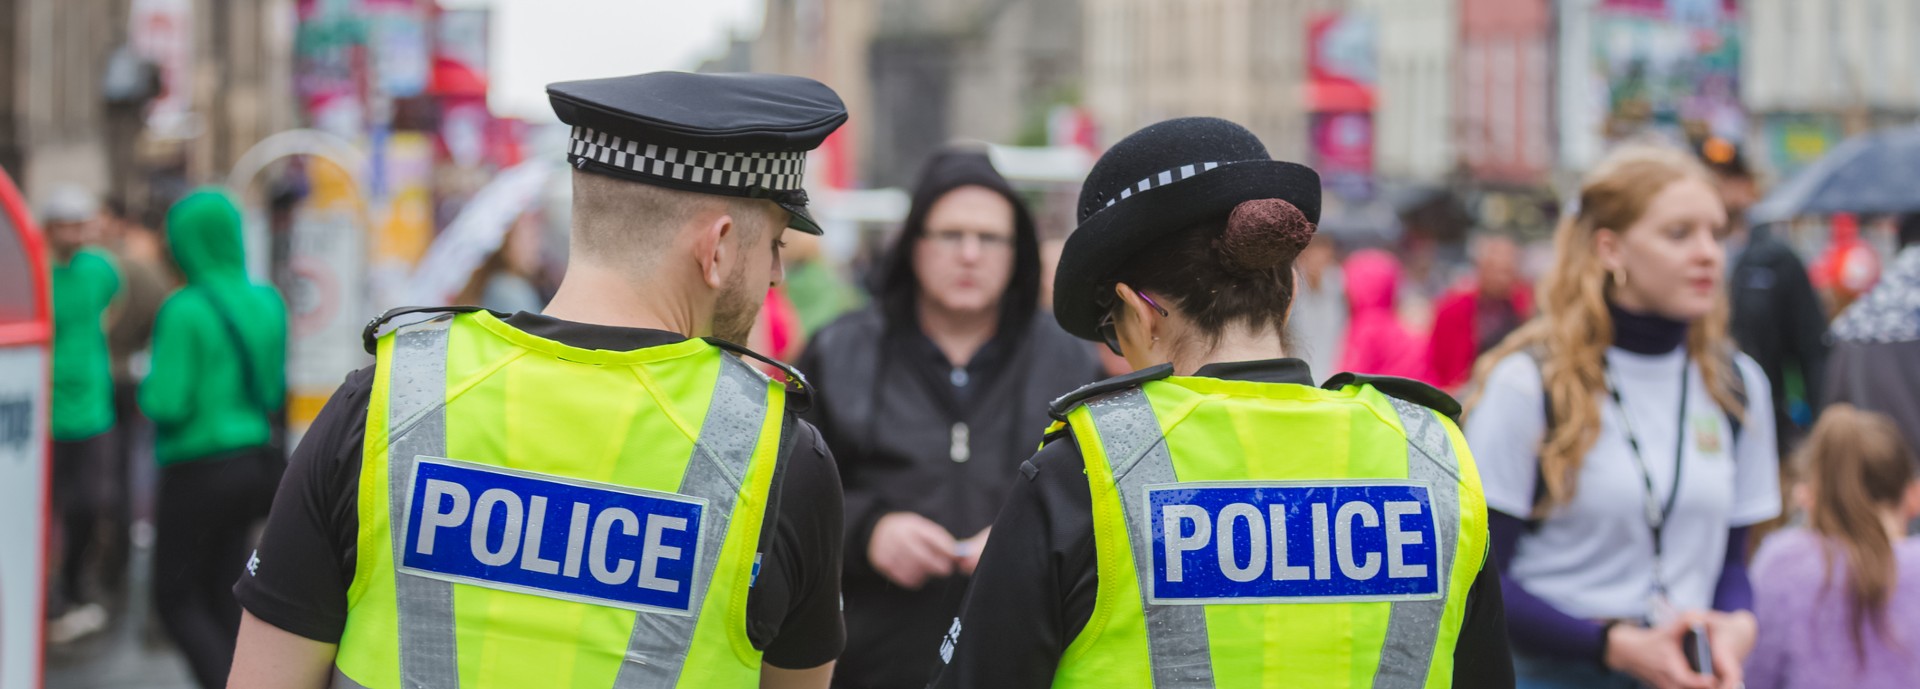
(930, 399)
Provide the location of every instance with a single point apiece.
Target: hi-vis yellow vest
(1270, 535)
(538, 515)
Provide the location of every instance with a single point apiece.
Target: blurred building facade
(1505, 85)
(1815, 72)
(916, 75)
(137, 99)
(1417, 135)
(1243, 60)
(826, 40)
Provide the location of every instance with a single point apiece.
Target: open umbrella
(476, 233)
(1871, 174)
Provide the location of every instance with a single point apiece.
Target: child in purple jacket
(1838, 602)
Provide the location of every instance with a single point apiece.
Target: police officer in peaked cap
(1215, 518)
(600, 495)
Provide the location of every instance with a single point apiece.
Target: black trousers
(79, 496)
(118, 498)
(205, 516)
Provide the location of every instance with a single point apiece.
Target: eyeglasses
(1109, 331)
(954, 240)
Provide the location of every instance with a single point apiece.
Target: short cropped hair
(629, 224)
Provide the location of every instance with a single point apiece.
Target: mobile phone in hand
(1699, 653)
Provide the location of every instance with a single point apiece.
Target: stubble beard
(737, 308)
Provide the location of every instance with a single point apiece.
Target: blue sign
(1248, 542)
(552, 536)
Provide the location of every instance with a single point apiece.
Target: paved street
(132, 652)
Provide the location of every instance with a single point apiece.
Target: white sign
(326, 297)
(162, 31)
(23, 511)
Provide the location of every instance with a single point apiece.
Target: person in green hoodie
(84, 282)
(217, 382)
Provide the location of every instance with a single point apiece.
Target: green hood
(218, 377)
(203, 230)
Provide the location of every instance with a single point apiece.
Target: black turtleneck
(1645, 333)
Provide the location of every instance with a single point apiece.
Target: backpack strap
(1735, 422)
(1730, 358)
(1538, 352)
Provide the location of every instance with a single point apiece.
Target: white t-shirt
(1593, 557)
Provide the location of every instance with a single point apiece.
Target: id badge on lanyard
(1659, 605)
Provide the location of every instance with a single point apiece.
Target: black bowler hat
(728, 134)
(1164, 179)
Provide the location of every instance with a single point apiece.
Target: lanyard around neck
(1657, 512)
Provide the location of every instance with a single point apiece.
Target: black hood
(896, 287)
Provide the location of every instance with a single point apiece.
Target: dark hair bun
(1263, 235)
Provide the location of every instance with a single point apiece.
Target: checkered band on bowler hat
(1164, 179)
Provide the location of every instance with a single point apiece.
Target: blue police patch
(552, 536)
(1292, 542)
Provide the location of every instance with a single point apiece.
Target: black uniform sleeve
(1035, 586)
(799, 594)
(298, 577)
(1482, 658)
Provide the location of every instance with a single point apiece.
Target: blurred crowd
(167, 354)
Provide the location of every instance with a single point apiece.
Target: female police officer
(1213, 518)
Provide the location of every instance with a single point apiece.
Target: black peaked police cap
(741, 135)
(1160, 180)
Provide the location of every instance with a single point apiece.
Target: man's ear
(714, 250)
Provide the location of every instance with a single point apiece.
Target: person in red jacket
(1478, 313)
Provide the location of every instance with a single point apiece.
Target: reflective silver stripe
(657, 648)
(1414, 626)
(417, 425)
(1177, 644)
(342, 681)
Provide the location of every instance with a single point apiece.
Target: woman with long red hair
(1622, 456)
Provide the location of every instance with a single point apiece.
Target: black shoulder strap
(1538, 352)
(1730, 358)
(799, 392)
(248, 376)
(370, 336)
(1402, 388)
(1065, 403)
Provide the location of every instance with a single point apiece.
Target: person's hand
(909, 549)
(1731, 637)
(967, 557)
(1653, 655)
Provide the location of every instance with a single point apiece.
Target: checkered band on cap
(770, 171)
(1162, 179)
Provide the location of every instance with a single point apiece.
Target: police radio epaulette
(799, 391)
(370, 336)
(1065, 403)
(1402, 388)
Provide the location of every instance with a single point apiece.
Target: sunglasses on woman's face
(1110, 332)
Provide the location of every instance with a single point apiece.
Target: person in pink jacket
(1377, 344)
